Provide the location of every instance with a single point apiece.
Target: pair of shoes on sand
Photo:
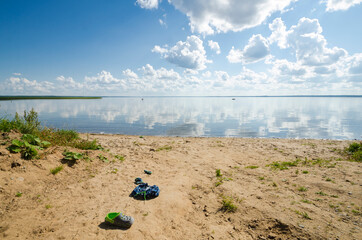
(119, 219)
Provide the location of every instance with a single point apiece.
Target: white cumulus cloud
(22, 85)
(307, 41)
(214, 46)
(68, 82)
(128, 73)
(336, 5)
(189, 54)
(210, 16)
(103, 77)
(148, 4)
(256, 49)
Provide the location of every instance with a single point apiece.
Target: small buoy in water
(233, 99)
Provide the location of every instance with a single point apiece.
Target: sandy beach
(318, 196)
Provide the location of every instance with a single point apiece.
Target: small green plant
(56, 170)
(354, 152)
(302, 189)
(274, 184)
(303, 214)
(306, 201)
(305, 172)
(218, 183)
(218, 173)
(334, 196)
(321, 193)
(114, 171)
(283, 165)
(120, 158)
(18, 194)
(88, 145)
(48, 206)
(261, 178)
(27, 146)
(166, 147)
(72, 156)
(356, 212)
(252, 167)
(141, 136)
(103, 158)
(228, 204)
(328, 180)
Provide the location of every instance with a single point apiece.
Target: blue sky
(180, 47)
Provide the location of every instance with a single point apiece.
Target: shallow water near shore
(266, 117)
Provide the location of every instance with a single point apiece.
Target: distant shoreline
(7, 98)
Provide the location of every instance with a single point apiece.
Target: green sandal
(118, 219)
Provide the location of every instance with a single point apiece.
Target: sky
(180, 47)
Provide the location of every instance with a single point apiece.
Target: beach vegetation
(103, 158)
(218, 173)
(354, 152)
(275, 184)
(318, 161)
(120, 158)
(321, 193)
(87, 145)
(283, 165)
(29, 123)
(261, 178)
(72, 156)
(18, 194)
(356, 212)
(303, 214)
(305, 172)
(218, 183)
(252, 167)
(306, 201)
(334, 196)
(228, 204)
(28, 146)
(302, 189)
(56, 169)
(166, 147)
(48, 206)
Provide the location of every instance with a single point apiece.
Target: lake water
(267, 117)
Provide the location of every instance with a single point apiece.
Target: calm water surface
(281, 117)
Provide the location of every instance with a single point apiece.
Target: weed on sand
(283, 165)
(228, 204)
(56, 170)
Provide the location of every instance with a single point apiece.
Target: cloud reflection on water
(293, 117)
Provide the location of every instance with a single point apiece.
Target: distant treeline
(4, 98)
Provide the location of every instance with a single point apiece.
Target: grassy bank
(9, 98)
(37, 137)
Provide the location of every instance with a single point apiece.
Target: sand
(320, 198)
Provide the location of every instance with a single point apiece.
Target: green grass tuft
(303, 214)
(56, 170)
(228, 204)
(252, 167)
(302, 189)
(283, 165)
(166, 147)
